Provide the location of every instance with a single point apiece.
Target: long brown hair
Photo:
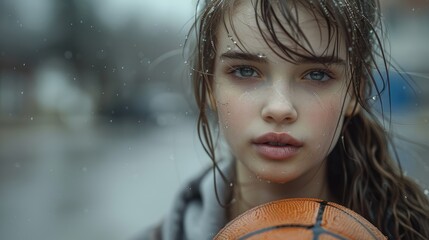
(372, 182)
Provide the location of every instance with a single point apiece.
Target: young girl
(289, 85)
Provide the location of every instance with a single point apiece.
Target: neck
(251, 191)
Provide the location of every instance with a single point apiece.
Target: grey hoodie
(196, 213)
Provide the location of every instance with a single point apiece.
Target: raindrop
(22, 92)
(350, 49)
(84, 169)
(148, 61)
(426, 192)
(23, 64)
(374, 97)
(186, 62)
(17, 165)
(31, 118)
(228, 48)
(81, 21)
(231, 184)
(261, 55)
(122, 67)
(111, 121)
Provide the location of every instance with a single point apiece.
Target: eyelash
(235, 71)
(327, 73)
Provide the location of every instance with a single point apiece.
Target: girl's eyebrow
(260, 58)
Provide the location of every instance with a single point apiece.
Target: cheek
(234, 109)
(325, 118)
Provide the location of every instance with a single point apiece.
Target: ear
(353, 106)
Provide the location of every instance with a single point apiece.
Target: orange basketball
(300, 218)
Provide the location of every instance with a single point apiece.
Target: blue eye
(245, 72)
(319, 75)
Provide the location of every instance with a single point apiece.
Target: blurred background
(97, 122)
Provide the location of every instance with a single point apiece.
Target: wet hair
(364, 172)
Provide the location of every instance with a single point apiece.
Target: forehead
(300, 29)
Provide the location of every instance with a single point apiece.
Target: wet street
(101, 182)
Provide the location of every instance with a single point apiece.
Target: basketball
(301, 218)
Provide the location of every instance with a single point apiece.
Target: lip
(273, 152)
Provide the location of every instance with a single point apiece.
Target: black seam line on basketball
(259, 231)
(357, 220)
(317, 230)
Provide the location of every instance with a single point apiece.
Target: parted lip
(281, 138)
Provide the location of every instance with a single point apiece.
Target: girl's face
(280, 119)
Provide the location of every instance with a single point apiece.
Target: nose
(279, 107)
